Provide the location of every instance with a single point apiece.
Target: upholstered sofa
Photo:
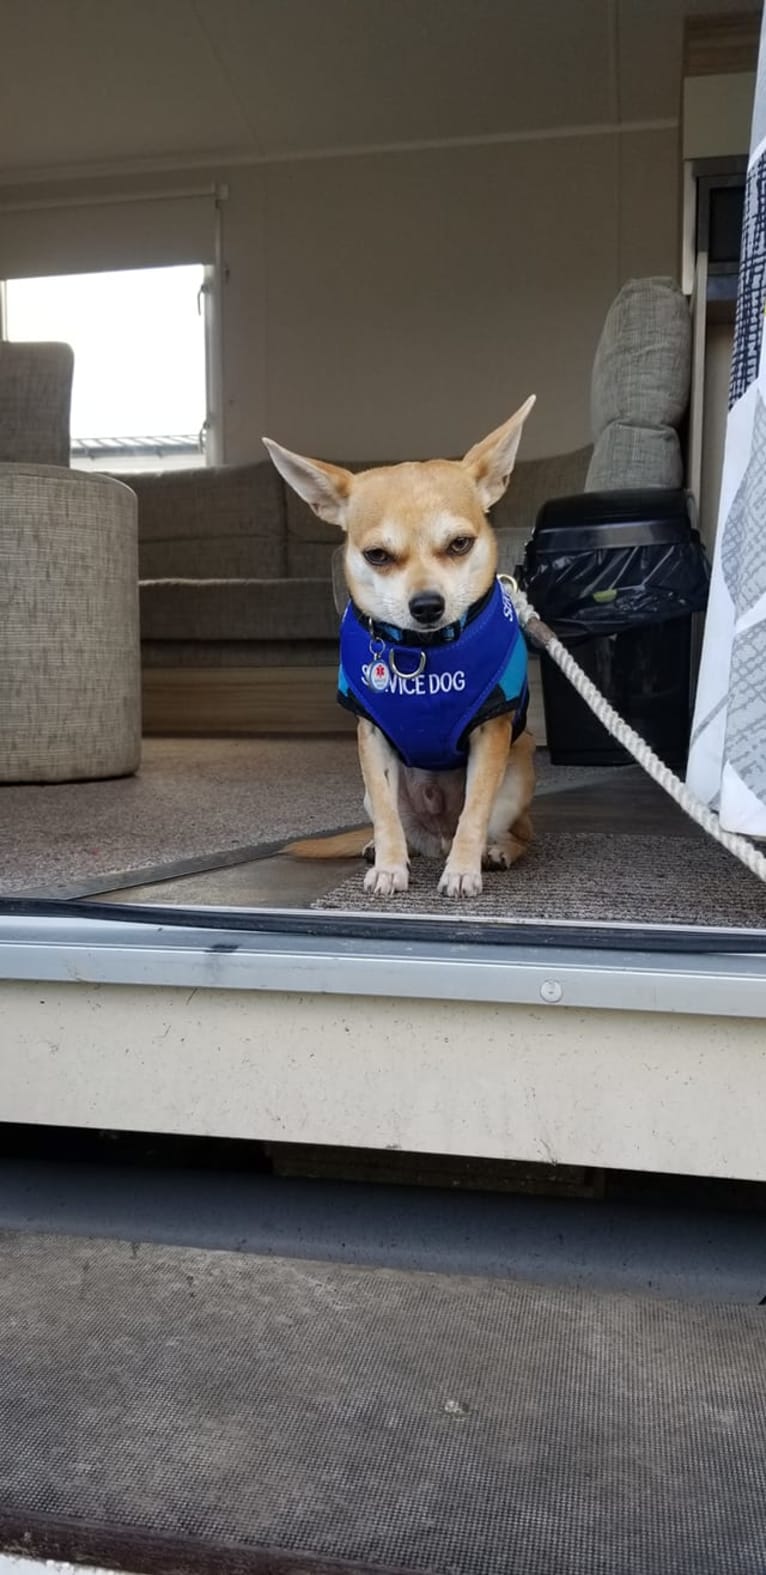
(236, 569)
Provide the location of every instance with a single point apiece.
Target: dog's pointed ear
(324, 487)
(491, 461)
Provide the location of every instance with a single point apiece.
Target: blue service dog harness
(428, 691)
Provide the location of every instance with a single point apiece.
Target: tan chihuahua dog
(420, 564)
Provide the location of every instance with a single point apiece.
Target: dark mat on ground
(154, 1397)
(596, 876)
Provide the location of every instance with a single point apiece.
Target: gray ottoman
(70, 672)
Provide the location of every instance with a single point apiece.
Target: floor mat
(196, 804)
(409, 1421)
(590, 876)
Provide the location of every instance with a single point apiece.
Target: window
(139, 396)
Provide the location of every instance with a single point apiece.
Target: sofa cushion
(280, 609)
(642, 365)
(216, 521)
(631, 456)
(313, 559)
(640, 388)
(35, 395)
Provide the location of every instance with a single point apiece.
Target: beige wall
(402, 304)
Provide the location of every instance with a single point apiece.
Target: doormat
(170, 1409)
(598, 877)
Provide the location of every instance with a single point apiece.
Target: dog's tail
(344, 845)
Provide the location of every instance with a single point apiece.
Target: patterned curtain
(727, 760)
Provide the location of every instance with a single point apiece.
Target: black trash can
(619, 577)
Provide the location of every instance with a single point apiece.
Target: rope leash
(636, 746)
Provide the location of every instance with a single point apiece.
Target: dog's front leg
(487, 760)
(380, 769)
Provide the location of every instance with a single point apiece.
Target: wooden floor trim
(197, 701)
(190, 701)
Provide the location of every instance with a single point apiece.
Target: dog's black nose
(427, 606)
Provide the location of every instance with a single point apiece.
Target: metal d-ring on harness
(532, 624)
(377, 647)
(416, 670)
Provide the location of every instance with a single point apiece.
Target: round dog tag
(378, 675)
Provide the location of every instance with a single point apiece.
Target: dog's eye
(377, 557)
(460, 545)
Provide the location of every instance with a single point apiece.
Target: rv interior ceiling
(273, 79)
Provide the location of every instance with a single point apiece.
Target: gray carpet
(195, 804)
(408, 1421)
(600, 876)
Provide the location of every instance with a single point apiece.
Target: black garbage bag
(604, 562)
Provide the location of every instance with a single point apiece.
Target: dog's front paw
(460, 883)
(383, 882)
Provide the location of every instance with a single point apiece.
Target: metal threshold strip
(619, 967)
